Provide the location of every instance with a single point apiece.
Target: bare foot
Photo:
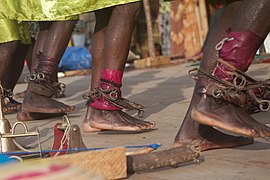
(41, 104)
(10, 105)
(205, 136)
(114, 120)
(58, 94)
(209, 138)
(86, 123)
(30, 116)
(228, 117)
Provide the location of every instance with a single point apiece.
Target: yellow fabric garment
(49, 10)
(11, 30)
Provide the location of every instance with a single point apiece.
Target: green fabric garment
(11, 30)
(50, 10)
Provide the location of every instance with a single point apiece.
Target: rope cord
(154, 146)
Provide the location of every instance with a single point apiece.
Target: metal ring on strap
(264, 105)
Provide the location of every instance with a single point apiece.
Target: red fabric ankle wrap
(109, 79)
(48, 66)
(238, 51)
(111, 75)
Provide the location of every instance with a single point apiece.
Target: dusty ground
(166, 93)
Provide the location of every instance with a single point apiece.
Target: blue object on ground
(154, 146)
(75, 58)
(5, 159)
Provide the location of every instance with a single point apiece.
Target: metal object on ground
(8, 133)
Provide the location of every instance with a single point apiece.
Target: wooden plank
(42, 170)
(80, 72)
(107, 163)
(110, 163)
(152, 62)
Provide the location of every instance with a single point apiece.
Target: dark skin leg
(225, 115)
(40, 43)
(7, 51)
(37, 49)
(29, 54)
(116, 48)
(32, 62)
(17, 66)
(40, 47)
(34, 54)
(29, 64)
(253, 17)
(54, 47)
(48, 51)
(98, 39)
(206, 136)
(97, 51)
(28, 116)
(13, 76)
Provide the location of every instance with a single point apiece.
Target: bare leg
(34, 55)
(208, 137)
(247, 34)
(49, 46)
(17, 66)
(40, 43)
(102, 21)
(28, 59)
(12, 77)
(97, 51)
(37, 50)
(38, 98)
(29, 54)
(7, 51)
(102, 114)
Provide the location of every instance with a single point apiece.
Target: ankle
(40, 83)
(47, 66)
(238, 50)
(109, 90)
